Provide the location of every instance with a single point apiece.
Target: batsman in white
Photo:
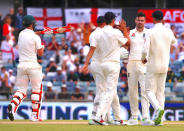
(136, 72)
(105, 65)
(28, 69)
(157, 48)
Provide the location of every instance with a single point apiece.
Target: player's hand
(123, 25)
(144, 61)
(85, 69)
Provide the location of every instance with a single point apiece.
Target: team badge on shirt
(133, 35)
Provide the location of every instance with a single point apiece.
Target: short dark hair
(109, 16)
(100, 20)
(141, 14)
(158, 15)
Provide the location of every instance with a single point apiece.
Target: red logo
(133, 35)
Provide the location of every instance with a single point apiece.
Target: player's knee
(35, 97)
(18, 97)
(19, 94)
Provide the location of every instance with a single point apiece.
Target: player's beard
(140, 25)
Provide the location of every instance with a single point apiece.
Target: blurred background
(68, 93)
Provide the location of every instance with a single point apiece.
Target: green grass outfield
(79, 125)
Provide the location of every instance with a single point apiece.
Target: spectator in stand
(19, 19)
(13, 17)
(81, 57)
(180, 52)
(69, 59)
(71, 35)
(85, 48)
(60, 76)
(173, 28)
(7, 29)
(72, 76)
(124, 87)
(77, 95)
(123, 74)
(171, 77)
(64, 46)
(49, 94)
(180, 78)
(57, 56)
(172, 54)
(53, 45)
(1, 28)
(73, 48)
(7, 50)
(180, 40)
(64, 69)
(85, 76)
(91, 95)
(11, 79)
(51, 67)
(16, 53)
(79, 34)
(5, 89)
(64, 94)
(86, 29)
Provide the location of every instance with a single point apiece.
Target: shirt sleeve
(38, 42)
(93, 40)
(146, 46)
(121, 39)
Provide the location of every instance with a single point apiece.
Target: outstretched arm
(90, 54)
(125, 31)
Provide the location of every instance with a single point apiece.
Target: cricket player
(105, 65)
(94, 34)
(158, 49)
(136, 72)
(28, 70)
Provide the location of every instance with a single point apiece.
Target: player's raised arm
(123, 28)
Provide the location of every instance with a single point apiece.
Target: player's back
(161, 39)
(108, 47)
(28, 43)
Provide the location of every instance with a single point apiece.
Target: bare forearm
(90, 54)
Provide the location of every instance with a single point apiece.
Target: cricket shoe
(91, 122)
(100, 122)
(10, 112)
(161, 124)
(110, 122)
(147, 122)
(35, 119)
(132, 121)
(158, 118)
(120, 122)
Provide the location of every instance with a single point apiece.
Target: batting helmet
(28, 20)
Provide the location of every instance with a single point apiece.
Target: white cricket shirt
(107, 42)
(28, 44)
(137, 41)
(158, 45)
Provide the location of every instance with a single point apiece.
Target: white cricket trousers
(106, 76)
(26, 72)
(155, 87)
(136, 73)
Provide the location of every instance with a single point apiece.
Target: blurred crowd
(63, 58)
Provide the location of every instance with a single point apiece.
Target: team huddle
(148, 62)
